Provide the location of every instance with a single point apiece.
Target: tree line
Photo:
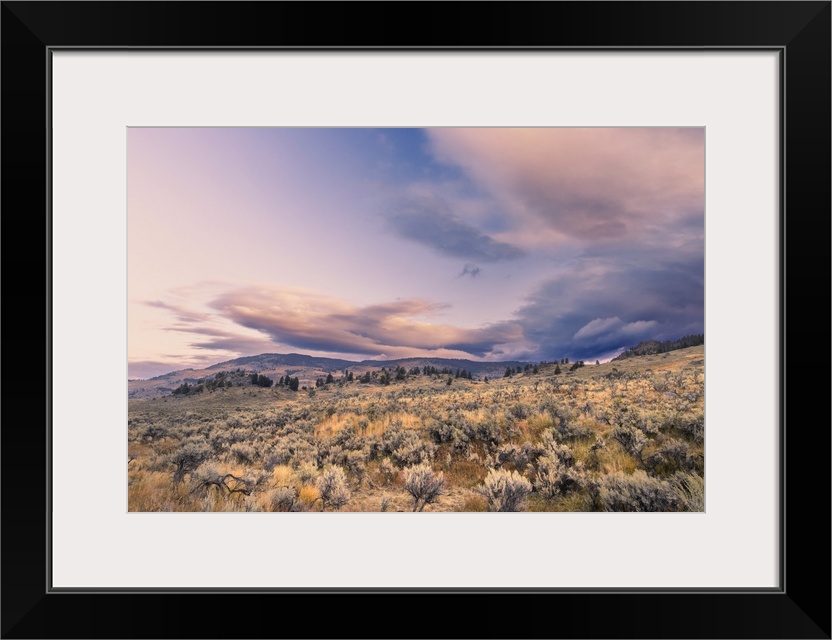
(651, 347)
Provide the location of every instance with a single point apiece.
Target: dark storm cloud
(597, 307)
(429, 221)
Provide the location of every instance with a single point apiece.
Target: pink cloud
(315, 322)
(593, 184)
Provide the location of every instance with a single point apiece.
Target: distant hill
(306, 368)
(652, 347)
(267, 362)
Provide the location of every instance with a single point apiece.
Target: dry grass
(284, 476)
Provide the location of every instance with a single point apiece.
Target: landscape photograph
(422, 320)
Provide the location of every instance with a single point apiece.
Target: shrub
(282, 499)
(636, 492)
(190, 454)
(518, 455)
(332, 485)
(228, 484)
(385, 504)
(456, 432)
(154, 432)
(557, 412)
(505, 491)
(631, 438)
(243, 453)
(555, 449)
(306, 472)
(441, 431)
(554, 478)
(238, 435)
(572, 431)
(563, 419)
(520, 410)
(334, 455)
(355, 462)
(387, 470)
(693, 427)
(488, 430)
(413, 450)
(406, 447)
(291, 447)
(673, 455)
(423, 484)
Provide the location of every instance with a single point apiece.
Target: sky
(479, 243)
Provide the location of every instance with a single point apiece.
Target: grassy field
(619, 436)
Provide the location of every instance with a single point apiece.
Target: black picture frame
(799, 31)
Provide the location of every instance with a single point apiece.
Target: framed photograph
(366, 294)
(341, 371)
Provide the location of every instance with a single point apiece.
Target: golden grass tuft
(284, 476)
(308, 495)
(330, 426)
(154, 491)
(379, 426)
